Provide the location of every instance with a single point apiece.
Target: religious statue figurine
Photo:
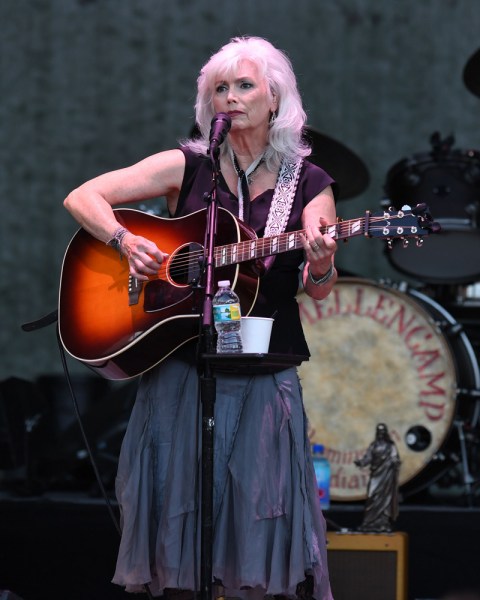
(381, 506)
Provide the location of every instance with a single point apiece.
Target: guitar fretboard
(284, 242)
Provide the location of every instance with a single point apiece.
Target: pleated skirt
(268, 530)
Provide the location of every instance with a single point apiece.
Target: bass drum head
(379, 356)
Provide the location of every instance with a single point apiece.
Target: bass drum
(448, 182)
(379, 355)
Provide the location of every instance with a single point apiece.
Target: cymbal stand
(468, 480)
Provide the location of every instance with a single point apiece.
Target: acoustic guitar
(121, 327)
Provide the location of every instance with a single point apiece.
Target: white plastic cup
(256, 333)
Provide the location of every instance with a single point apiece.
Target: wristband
(117, 238)
(323, 279)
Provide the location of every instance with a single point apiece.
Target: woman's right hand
(144, 256)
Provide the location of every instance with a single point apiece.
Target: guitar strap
(283, 197)
(282, 202)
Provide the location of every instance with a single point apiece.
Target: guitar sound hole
(184, 265)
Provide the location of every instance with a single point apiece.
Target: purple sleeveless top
(279, 286)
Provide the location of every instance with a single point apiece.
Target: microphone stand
(208, 388)
(207, 355)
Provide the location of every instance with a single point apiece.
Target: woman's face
(245, 97)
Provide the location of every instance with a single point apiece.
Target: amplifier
(368, 566)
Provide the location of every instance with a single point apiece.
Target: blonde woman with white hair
(268, 530)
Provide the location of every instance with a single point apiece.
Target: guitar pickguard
(160, 295)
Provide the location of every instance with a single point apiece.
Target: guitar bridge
(134, 289)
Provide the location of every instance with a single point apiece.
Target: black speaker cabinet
(368, 566)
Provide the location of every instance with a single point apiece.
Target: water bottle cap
(224, 283)
(318, 448)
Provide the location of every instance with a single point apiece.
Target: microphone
(220, 126)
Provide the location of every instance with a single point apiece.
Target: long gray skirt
(268, 528)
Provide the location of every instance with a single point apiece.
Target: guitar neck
(285, 242)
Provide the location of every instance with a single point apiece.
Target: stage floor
(62, 546)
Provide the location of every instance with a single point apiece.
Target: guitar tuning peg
(420, 209)
(419, 242)
(389, 243)
(405, 242)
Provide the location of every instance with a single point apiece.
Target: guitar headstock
(405, 223)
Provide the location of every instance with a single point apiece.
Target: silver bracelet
(117, 238)
(323, 279)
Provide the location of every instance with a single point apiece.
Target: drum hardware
(464, 303)
(451, 329)
(418, 438)
(472, 395)
(468, 480)
(469, 393)
(448, 180)
(401, 286)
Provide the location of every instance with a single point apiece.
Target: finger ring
(315, 246)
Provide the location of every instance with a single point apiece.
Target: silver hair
(285, 133)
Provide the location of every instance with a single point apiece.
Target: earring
(273, 117)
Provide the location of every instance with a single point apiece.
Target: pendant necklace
(245, 179)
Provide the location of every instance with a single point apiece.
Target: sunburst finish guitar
(121, 327)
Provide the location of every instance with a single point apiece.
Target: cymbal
(339, 162)
(471, 73)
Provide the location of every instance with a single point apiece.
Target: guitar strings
(190, 259)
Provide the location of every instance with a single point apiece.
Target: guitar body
(122, 335)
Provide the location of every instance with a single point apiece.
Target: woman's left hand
(319, 249)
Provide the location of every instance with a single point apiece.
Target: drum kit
(405, 353)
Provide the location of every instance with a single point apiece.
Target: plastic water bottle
(226, 316)
(322, 473)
